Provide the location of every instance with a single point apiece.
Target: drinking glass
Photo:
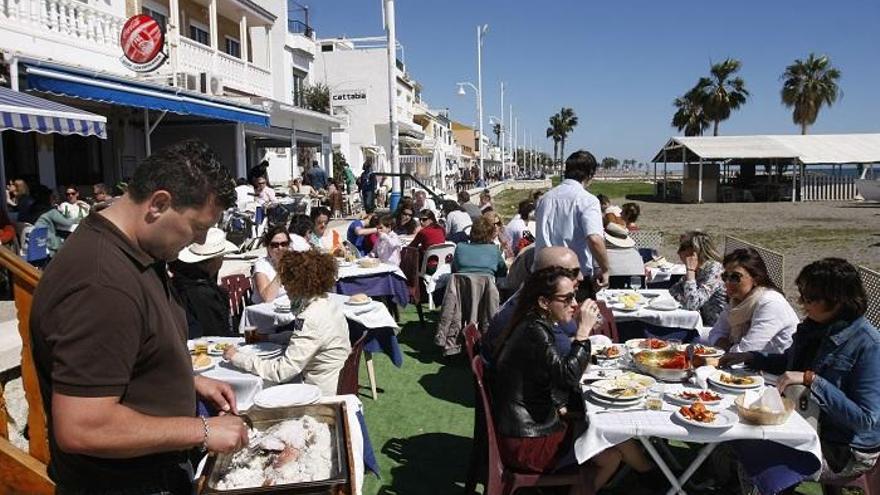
(654, 398)
(250, 335)
(635, 282)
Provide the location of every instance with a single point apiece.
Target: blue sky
(619, 65)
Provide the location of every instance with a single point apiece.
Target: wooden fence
(822, 187)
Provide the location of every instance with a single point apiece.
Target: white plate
(715, 352)
(715, 379)
(663, 305)
(262, 349)
(200, 369)
(674, 397)
(624, 308)
(620, 347)
(636, 344)
(215, 350)
(601, 388)
(364, 303)
(723, 419)
(614, 403)
(344, 264)
(287, 395)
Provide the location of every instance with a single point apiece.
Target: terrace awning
(812, 149)
(24, 112)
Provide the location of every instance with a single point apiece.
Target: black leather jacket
(530, 380)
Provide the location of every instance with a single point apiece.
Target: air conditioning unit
(210, 84)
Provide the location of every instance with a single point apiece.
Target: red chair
(869, 483)
(477, 465)
(239, 289)
(472, 338)
(502, 480)
(348, 375)
(608, 327)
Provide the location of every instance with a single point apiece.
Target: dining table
(372, 318)
(655, 307)
(609, 425)
(381, 280)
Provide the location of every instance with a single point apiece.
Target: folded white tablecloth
(265, 318)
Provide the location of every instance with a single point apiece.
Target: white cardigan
(317, 351)
(773, 324)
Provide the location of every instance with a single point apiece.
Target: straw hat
(215, 245)
(618, 236)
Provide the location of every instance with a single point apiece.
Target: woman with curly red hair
(318, 350)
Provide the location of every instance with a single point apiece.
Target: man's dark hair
(317, 212)
(101, 188)
(449, 206)
(464, 197)
(834, 281)
(241, 181)
(580, 166)
(189, 171)
(525, 208)
(301, 225)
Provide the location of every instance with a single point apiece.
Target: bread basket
(368, 262)
(762, 417)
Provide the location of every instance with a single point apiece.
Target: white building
(232, 74)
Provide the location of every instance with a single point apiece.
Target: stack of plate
(265, 350)
(621, 391)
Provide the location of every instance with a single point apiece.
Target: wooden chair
(409, 265)
(608, 327)
(25, 472)
(348, 376)
(239, 289)
(503, 480)
(773, 260)
(871, 282)
(477, 465)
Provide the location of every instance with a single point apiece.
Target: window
(233, 47)
(326, 48)
(161, 18)
(299, 81)
(198, 34)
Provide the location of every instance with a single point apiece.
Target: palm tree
(724, 93)
(553, 133)
(691, 114)
(808, 85)
(496, 129)
(567, 122)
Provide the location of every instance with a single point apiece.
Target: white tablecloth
(678, 318)
(245, 385)
(357, 271)
(656, 275)
(609, 427)
(264, 317)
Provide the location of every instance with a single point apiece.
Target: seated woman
(320, 238)
(630, 212)
(194, 275)
(758, 317)
(317, 351)
(701, 289)
(429, 234)
(480, 255)
(532, 380)
(300, 226)
(406, 221)
(267, 284)
(502, 240)
(836, 356)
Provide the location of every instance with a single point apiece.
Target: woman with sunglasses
(480, 254)
(406, 223)
(758, 318)
(532, 380)
(429, 234)
(267, 285)
(501, 238)
(836, 357)
(701, 289)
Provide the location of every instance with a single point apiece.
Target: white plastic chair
(443, 253)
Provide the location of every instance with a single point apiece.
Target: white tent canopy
(808, 150)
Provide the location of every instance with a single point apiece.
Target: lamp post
(392, 102)
(481, 31)
(479, 141)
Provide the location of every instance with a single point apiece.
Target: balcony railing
(64, 20)
(234, 72)
(299, 27)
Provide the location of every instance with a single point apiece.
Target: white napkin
(769, 400)
(701, 376)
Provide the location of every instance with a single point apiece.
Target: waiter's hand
(227, 434)
(218, 394)
(601, 280)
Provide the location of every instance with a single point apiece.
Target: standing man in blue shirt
(568, 215)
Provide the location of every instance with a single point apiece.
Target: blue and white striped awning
(24, 112)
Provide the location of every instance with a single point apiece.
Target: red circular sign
(141, 39)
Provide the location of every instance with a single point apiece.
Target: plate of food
(613, 351)
(692, 395)
(736, 381)
(649, 344)
(368, 262)
(201, 362)
(614, 390)
(359, 300)
(697, 414)
(707, 351)
(217, 348)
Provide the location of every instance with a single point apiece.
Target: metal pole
(510, 139)
(700, 182)
(480, 30)
(516, 142)
(501, 136)
(392, 102)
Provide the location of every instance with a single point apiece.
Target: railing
(25, 472)
(299, 27)
(195, 58)
(821, 187)
(65, 20)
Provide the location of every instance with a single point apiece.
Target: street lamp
(481, 31)
(462, 92)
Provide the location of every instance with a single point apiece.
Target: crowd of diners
(122, 418)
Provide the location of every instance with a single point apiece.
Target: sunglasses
(424, 219)
(566, 299)
(732, 277)
(276, 245)
(498, 224)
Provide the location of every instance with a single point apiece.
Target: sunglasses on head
(564, 298)
(732, 277)
(276, 245)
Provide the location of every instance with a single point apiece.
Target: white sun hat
(617, 236)
(215, 245)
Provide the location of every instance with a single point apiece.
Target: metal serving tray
(341, 482)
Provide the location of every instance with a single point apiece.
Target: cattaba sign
(142, 41)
